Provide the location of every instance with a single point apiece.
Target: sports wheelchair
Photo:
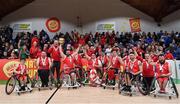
(13, 83)
(170, 88)
(68, 78)
(137, 84)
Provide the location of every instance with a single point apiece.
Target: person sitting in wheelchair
(114, 66)
(133, 70)
(93, 64)
(162, 73)
(68, 62)
(148, 72)
(21, 71)
(44, 64)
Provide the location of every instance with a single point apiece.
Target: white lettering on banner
(24, 26)
(106, 26)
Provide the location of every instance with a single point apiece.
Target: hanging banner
(53, 24)
(135, 25)
(107, 26)
(24, 26)
(7, 67)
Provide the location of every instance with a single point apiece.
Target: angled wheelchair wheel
(141, 85)
(174, 87)
(10, 85)
(153, 84)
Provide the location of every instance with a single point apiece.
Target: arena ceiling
(157, 9)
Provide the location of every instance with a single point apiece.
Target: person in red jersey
(81, 40)
(21, 71)
(116, 61)
(148, 70)
(104, 61)
(34, 50)
(34, 39)
(93, 64)
(91, 50)
(163, 72)
(69, 62)
(154, 57)
(169, 56)
(44, 65)
(133, 69)
(103, 40)
(54, 52)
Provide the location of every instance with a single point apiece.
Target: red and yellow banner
(53, 24)
(135, 24)
(7, 67)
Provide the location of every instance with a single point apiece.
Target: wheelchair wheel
(174, 87)
(141, 85)
(10, 85)
(152, 87)
(121, 81)
(29, 81)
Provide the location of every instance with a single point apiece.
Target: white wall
(90, 12)
(39, 24)
(172, 22)
(121, 13)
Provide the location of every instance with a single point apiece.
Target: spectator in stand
(34, 50)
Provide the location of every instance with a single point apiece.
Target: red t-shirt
(162, 69)
(55, 53)
(34, 39)
(34, 52)
(103, 40)
(81, 41)
(169, 56)
(148, 69)
(44, 63)
(133, 66)
(115, 62)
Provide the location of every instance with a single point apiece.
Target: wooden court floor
(83, 95)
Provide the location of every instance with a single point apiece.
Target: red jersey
(115, 62)
(34, 51)
(78, 60)
(103, 60)
(55, 53)
(44, 63)
(91, 64)
(91, 51)
(22, 69)
(133, 66)
(154, 58)
(34, 39)
(81, 41)
(148, 69)
(68, 62)
(169, 56)
(103, 40)
(162, 69)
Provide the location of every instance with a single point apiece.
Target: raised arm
(61, 52)
(76, 51)
(86, 55)
(120, 60)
